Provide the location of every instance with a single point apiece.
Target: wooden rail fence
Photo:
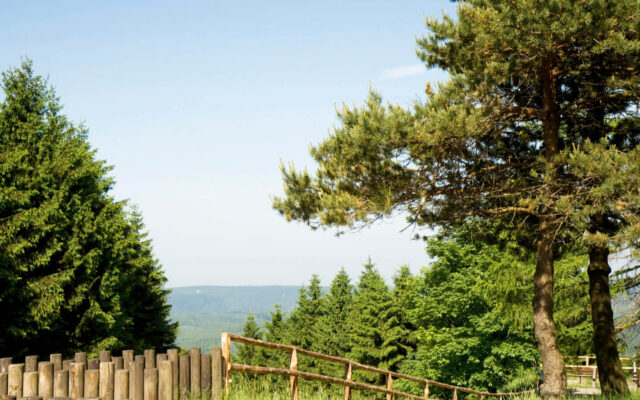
(584, 368)
(347, 381)
(148, 376)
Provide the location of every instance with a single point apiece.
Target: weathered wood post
(107, 376)
(149, 359)
(30, 384)
(92, 383)
(45, 380)
(426, 390)
(172, 355)
(56, 360)
(61, 383)
(390, 386)
(139, 391)
(4, 364)
(217, 374)
(347, 389)
(205, 375)
(76, 381)
(194, 354)
(150, 384)
(165, 380)
(119, 362)
(14, 387)
(132, 379)
(127, 357)
(185, 380)
(81, 357)
(105, 356)
(139, 358)
(121, 384)
(226, 359)
(293, 380)
(4, 383)
(30, 364)
(93, 363)
(455, 394)
(160, 357)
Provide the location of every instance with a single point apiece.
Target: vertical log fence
(148, 376)
(347, 381)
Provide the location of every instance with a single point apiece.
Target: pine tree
(68, 250)
(251, 355)
(375, 333)
(332, 327)
(303, 320)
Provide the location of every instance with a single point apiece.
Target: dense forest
(461, 320)
(76, 266)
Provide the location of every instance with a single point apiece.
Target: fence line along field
(148, 376)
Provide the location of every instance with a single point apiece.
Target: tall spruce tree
(511, 134)
(303, 319)
(251, 355)
(332, 327)
(375, 333)
(69, 254)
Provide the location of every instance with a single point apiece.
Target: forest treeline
(77, 271)
(465, 319)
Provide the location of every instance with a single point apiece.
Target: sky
(196, 104)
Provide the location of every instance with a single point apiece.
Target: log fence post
(139, 379)
(14, 388)
(455, 394)
(30, 384)
(4, 365)
(226, 358)
(119, 362)
(293, 380)
(127, 357)
(390, 386)
(80, 357)
(172, 355)
(4, 382)
(76, 381)
(121, 384)
(92, 383)
(45, 379)
(426, 390)
(151, 384)
(217, 373)
(30, 364)
(107, 375)
(61, 383)
(149, 359)
(132, 379)
(105, 356)
(93, 363)
(347, 389)
(185, 380)
(194, 354)
(56, 359)
(165, 380)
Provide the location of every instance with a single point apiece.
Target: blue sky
(196, 103)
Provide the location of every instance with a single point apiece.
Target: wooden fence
(148, 376)
(347, 381)
(583, 367)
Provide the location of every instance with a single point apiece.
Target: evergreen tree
(404, 295)
(332, 327)
(251, 355)
(302, 324)
(375, 333)
(275, 330)
(69, 253)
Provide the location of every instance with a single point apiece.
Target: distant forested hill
(204, 312)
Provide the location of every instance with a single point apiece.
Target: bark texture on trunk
(611, 375)
(555, 376)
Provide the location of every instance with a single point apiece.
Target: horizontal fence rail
(148, 376)
(350, 365)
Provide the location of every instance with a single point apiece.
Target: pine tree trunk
(555, 377)
(611, 375)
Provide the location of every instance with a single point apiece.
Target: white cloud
(404, 71)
